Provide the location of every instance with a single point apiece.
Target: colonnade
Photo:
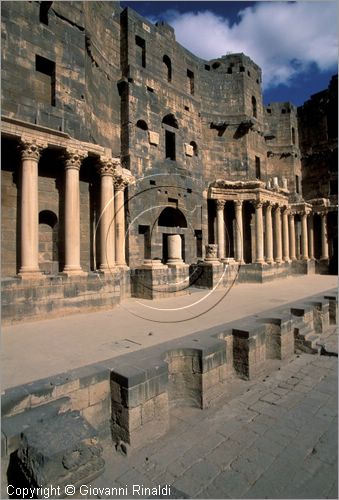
(275, 238)
(111, 222)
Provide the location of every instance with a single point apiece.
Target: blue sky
(295, 43)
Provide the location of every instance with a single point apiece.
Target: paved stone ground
(49, 347)
(275, 437)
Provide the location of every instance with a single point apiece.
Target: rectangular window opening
(297, 188)
(170, 145)
(140, 51)
(190, 81)
(257, 168)
(45, 80)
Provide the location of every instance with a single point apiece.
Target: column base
(270, 261)
(31, 274)
(176, 263)
(278, 261)
(121, 267)
(108, 270)
(324, 259)
(260, 261)
(287, 259)
(73, 272)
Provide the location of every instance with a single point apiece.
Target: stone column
(106, 220)
(120, 184)
(220, 228)
(268, 234)
(311, 236)
(277, 234)
(239, 255)
(72, 213)
(286, 243)
(174, 249)
(292, 236)
(259, 233)
(324, 240)
(29, 226)
(304, 239)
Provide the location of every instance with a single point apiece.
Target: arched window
(170, 121)
(168, 67)
(48, 242)
(254, 106)
(142, 125)
(293, 135)
(195, 148)
(172, 217)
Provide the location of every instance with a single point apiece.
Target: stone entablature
(48, 137)
(253, 191)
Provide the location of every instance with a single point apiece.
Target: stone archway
(169, 219)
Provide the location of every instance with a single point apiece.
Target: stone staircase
(305, 339)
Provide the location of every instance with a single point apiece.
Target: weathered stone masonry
(124, 156)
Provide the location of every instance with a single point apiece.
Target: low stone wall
(130, 396)
(52, 296)
(156, 283)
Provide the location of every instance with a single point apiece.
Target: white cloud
(284, 39)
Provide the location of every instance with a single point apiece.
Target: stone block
(147, 411)
(153, 138)
(79, 398)
(61, 450)
(98, 392)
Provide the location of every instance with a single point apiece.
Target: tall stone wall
(318, 124)
(60, 67)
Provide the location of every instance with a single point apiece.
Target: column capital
(73, 159)
(120, 182)
(31, 149)
(323, 213)
(257, 204)
(220, 204)
(238, 203)
(106, 166)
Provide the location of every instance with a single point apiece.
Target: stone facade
(124, 150)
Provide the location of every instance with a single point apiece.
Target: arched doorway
(48, 242)
(172, 221)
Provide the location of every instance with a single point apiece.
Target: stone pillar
(120, 184)
(286, 243)
(304, 239)
(311, 236)
(268, 234)
(221, 228)
(324, 240)
(239, 252)
(106, 219)
(174, 249)
(29, 226)
(277, 234)
(292, 236)
(259, 233)
(72, 213)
